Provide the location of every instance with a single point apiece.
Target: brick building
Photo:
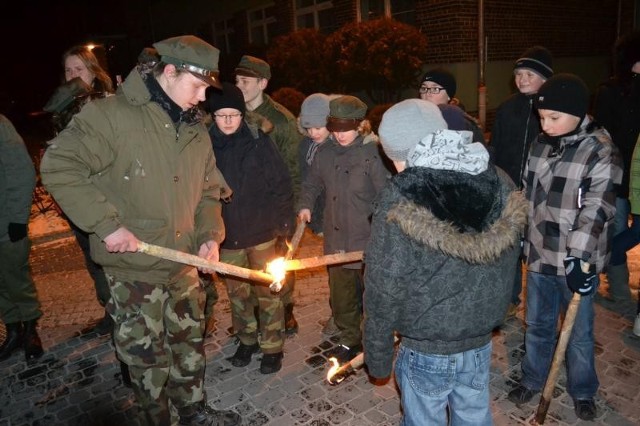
(580, 33)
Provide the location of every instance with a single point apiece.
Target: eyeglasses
(431, 90)
(227, 116)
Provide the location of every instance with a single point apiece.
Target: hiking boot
(271, 363)
(585, 408)
(344, 353)
(290, 323)
(104, 326)
(521, 395)
(32, 343)
(243, 354)
(636, 326)
(200, 414)
(330, 328)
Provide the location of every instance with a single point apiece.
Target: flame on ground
(332, 371)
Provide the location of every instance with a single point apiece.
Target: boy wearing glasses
(252, 77)
(439, 86)
(256, 214)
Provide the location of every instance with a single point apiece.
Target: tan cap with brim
(192, 54)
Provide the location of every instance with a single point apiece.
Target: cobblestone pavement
(78, 381)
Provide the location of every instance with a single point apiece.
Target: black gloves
(583, 283)
(17, 231)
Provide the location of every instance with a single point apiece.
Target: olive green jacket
(286, 136)
(122, 162)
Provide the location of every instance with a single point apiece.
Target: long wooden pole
(329, 259)
(349, 367)
(558, 358)
(193, 260)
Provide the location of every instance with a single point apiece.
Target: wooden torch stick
(193, 260)
(329, 259)
(558, 358)
(276, 286)
(349, 367)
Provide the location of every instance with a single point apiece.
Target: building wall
(579, 33)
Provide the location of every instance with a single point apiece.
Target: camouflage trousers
(158, 334)
(245, 295)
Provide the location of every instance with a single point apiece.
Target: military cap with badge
(191, 54)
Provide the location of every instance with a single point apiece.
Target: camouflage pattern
(244, 296)
(158, 333)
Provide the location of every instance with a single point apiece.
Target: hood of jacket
(471, 217)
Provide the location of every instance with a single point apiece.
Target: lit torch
(277, 266)
(338, 373)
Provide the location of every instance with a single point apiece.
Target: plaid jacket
(571, 191)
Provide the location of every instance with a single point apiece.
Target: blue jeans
(547, 295)
(430, 383)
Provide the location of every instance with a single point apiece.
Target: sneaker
(636, 326)
(243, 354)
(200, 414)
(521, 394)
(344, 353)
(585, 408)
(330, 328)
(271, 363)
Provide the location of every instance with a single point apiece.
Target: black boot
(13, 340)
(32, 343)
(200, 414)
(290, 323)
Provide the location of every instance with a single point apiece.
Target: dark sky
(36, 35)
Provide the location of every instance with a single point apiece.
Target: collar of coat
(474, 218)
(141, 87)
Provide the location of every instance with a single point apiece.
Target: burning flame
(276, 269)
(332, 371)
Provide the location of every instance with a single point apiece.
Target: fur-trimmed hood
(474, 218)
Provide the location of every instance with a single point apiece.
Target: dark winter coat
(618, 110)
(440, 262)
(262, 202)
(17, 178)
(516, 125)
(351, 176)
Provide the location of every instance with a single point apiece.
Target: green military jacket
(285, 134)
(122, 162)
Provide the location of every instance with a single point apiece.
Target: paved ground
(78, 381)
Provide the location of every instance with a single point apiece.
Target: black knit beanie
(538, 59)
(442, 77)
(229, 97)
(564, 93)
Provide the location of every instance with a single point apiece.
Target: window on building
(400, 10)
(314, 14)
(224, 35)
(261, 24)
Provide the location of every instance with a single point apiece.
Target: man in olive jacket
(138, 166)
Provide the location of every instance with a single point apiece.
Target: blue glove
(583, 283)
